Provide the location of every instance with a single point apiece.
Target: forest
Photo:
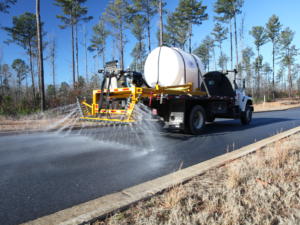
(22, 83)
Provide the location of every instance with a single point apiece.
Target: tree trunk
(140, 56)
(258, 74)
(19, 86)
(231, 50)
(2, 86)
(103, 59)
(53, 65)
(160, 24)
(73, 57)
(76, 42)
(32, 72)
(221, 55)
(236, 43)
(86, 55)
(208, 58)
(121, 49)
(273, 80)
(26, 85)
(290, 80)
(148, 27)
(40, 55)
(214, 55)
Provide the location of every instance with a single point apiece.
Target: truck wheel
(246, 116)
(196, 120)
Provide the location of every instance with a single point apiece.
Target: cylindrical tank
(168, 66)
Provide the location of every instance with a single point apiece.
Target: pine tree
(273, 31)
(211, 43)
(247, 55)
(175, 34)
(204, 52)
(116, 15)
(147, 9)
(40, 56)
(73, 13)
(223, 61)
(139, 54)
(288, 52)
(228, 10)
(21, 70)
(137, 22)
(6, 4)
(80, 16)
(98, 40)
(260, 38)
(267, 70)
(220, 34)
(280, 75)
(5, 75)
(191, 12)
(24, 33)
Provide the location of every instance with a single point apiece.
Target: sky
(255, 13)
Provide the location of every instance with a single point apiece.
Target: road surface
(43, 173)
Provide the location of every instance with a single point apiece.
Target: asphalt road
(43, 173)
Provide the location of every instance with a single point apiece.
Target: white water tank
(168, 66)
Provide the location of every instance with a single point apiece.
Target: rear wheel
(196, 120)
(246, 116)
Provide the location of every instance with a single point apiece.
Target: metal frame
(134, 95)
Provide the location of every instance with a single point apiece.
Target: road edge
(103, 206)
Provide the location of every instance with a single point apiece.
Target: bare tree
(40, 56)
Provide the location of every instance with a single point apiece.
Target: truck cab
(190, 113)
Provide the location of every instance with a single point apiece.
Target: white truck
(174, 88)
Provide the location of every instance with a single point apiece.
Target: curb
(103, 206)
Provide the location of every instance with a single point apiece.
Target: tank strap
(158, 60)
(184, 66)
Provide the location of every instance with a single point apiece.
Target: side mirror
(244, 84)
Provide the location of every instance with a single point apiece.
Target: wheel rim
(198, 120)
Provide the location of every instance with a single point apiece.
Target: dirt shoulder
(280, 104)
(261, 188)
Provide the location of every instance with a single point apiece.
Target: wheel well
(249, 102)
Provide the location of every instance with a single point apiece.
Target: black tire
(196, 120)
(246, 117)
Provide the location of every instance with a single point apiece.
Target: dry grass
(262, 188)
(40, 124)
(278, 105)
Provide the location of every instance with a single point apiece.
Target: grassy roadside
(280, 104)
(262, 188)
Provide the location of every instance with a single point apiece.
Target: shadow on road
(222, 127)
